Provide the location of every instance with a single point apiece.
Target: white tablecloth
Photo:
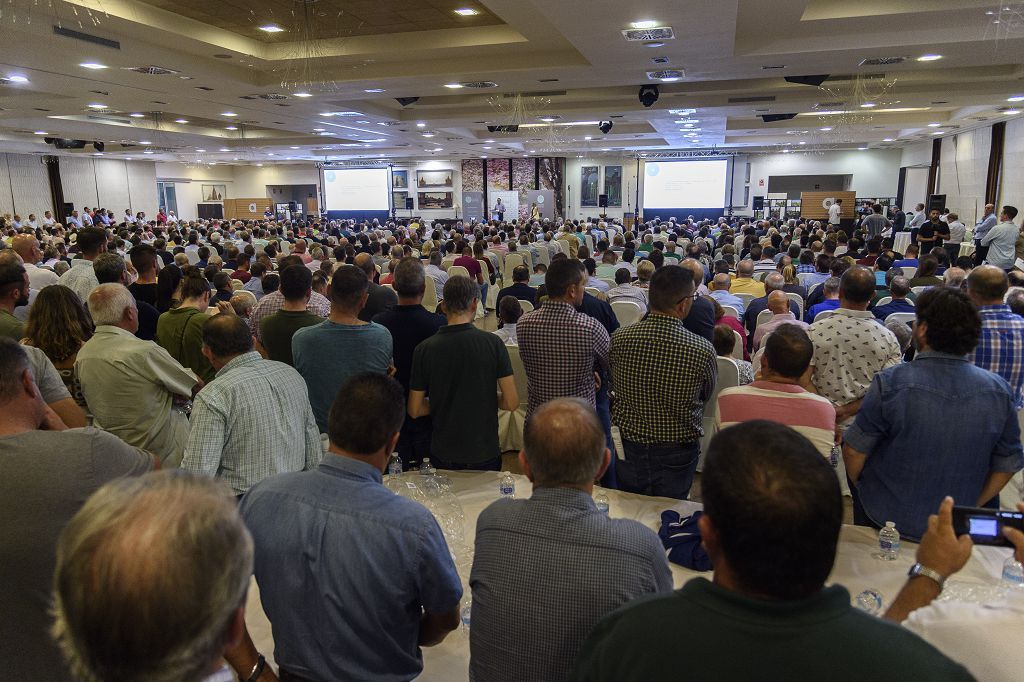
(855, 567)
(901, 242)
(967, 249)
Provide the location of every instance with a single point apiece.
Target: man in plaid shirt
(563, 350)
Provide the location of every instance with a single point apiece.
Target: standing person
(835, 212)
(957, 233)
(360, 613)
(657, 361)
(410, 324)
(981, 230)
(131, 385)
(1002, 240)
(463, 405)
(277, 329)
(328, 354)
(14, 292)
(875, 223)
(46, 472)
(932, 233)
(144, 259)
(580, 564)
(180, 330)
(563, 350)
(254, 420)
(499, 210)
(378, 298)
(903, 460)
(899, 220)
(92, 241)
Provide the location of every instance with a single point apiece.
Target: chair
(901, 317)
(543, 255)
(728, 376)
(510, 424)
(759, 276)
(237, 284)
(919, 290)
(732, 312)
(430, 296)
(909, 271)
(610, 282)
(823, 314)
(763, 317)
(594, 291)
(525, 305)
(458, 271)
(746, 298)
(627, 312)
(590, 243)
(512, 260)
(885, 300)
(799, 300)
(802, 277)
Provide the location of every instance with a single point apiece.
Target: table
(900, 242)
(967, 248)
(855, 567)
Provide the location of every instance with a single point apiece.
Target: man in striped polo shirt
(779, 393)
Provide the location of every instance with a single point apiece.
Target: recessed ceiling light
(148, 151)
(200, 150)
(374, 90)
(428, 134)
(39, 132)
(145, 142)
(785, 151)
(646, 23)
(181, 120)
(887, 139)
(868, 105)
(97, 106)
(270, 153)
(224, 149)
(483, 157)
(97, 153)
(319, 130)
(454, 86)
(231, 128)
(229, 114)
(1011, 112)
(15, 78)
(656, 44)
(802, 142)
(548, 119)
(93, 65)
(137, 115)
(934, 125)
(303, 94)
(271, 28)
(929, 57)
(862, 149)
(1015, 98)
(292, 147)
(421, 125)
(588, 137)
(259, 164)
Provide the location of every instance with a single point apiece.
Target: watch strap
(922, 570)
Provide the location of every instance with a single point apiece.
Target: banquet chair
(610, 282)
(543, 255)
(763, 317)
(759, 276)
(823, 314)
(593, 291)
(746, 298)
(458, 271)
(627, 312)
(237, 284)
(909, 271)
(728, 376)
(731, 311)
(901, 317)
(885, 300)
(590, 243)
(510, 424)
(799, 300)
(430, 296)
(212, 310)
(737, 349)
(919, 290)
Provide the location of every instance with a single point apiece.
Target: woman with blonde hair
(644, 271)
(58, 325)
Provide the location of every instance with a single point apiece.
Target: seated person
(725, 343)
(520, 287)
(899, 290)
(624, 290)
(509, 312)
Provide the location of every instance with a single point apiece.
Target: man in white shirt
(920, 215)
(80, 278)
(26, 246)
(1002, 240)
(834, 213)
(48, 219)
(86, 217)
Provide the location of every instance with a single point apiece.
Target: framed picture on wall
(434, 178)
(400, 179)
(428, 200)
(590, 185)
(398, 199)
(214, 192)
(613, 185)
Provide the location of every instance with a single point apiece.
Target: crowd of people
(273, 371)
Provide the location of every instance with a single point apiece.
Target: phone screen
(984, 526)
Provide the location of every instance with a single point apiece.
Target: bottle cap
(890, 524)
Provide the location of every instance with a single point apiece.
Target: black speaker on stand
(602, 202)
(758, 203)
(408, 203)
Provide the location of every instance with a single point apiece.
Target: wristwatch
(920, 569)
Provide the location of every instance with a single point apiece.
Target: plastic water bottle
(507, 487)
(395, 465)
(834, 456)
(426, 468)
(602, 502)
(888, 542)
(1013, 573)
(467, 610)
(870, 601)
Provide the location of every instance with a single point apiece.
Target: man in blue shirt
(934, 427)
(720, 287)
(982, 228)
(831, 302)
(353, 578)
(899, 289)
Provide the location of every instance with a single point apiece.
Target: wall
(573, 170)
(1012, 176)
(454, 166)
(188, 182)
(963, 169)
(24, 185)
(917, 154)
(114, 184)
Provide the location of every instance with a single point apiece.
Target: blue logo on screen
(329, 176)
(653, 169)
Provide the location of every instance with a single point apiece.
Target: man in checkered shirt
(563, 350)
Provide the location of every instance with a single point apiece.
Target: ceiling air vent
(151, 70)
(747, 100)
(537, 93)
(247, 97)
(204, 87)
(85, 37)
(861, 76)
(882, 61)
(272, 96)
(642, 35)
(829, 105)
(666, 74)
(479, 85)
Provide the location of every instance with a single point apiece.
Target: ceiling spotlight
(137, 115)
(825, 129)
(231, 128)
(655, 44)
(200, 150)
(148, 151)
(16, 79)
(647, 23)
(93, 65)
(259, 164)
(937, 132)
(887, 139)
(1011, 112)
(229, 114)
(97, 106)
(802, 142)
(224, 149)
(319, 130)
(929, 57)
(454, 86)
(868, 105)
(145, 142)
(548, 119)
(271, 28)
(428, 134)
(605, 126)
(862, 149)
(181, 120)
(785, 151)
(467, 12)
(374, 90)
(303, 94)
(39, 132)
(934, 125)
(421, 125)
(1015, 98)
(292, 147)
(588, 138)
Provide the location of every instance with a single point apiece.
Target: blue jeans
(665, 470)
(487, 465)
(609, 480)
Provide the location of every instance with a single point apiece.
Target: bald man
(381, 299)
(579, 564)
(982, 228)
(774, 281)
(721, 291)
(779, 305)
(27, 246)
(744, 284)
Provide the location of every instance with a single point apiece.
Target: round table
(855, 566)
(900, 242)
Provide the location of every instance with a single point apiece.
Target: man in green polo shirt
(456, 367)
(277, 329)
(14, 288)
(772, 513)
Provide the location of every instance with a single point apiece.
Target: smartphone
(985, 526)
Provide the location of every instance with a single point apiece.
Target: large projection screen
(685, 184)
(357, 189)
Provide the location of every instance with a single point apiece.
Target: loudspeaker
(406, 101)
(503, 129)
(758, 203)
(408, 203)
(292, 206)
(770, 118)
(602, 200)
(605, 126)
(808, 80)
(98, 146)
(68, 208)
(648, 95)
(936, 202)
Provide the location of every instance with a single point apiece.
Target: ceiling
(366, 79)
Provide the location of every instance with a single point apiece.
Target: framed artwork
(590, 181)
(400, 179)
(613, 185)
(434, 178)
(398, 200)
(214, 192)
(429, 200)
